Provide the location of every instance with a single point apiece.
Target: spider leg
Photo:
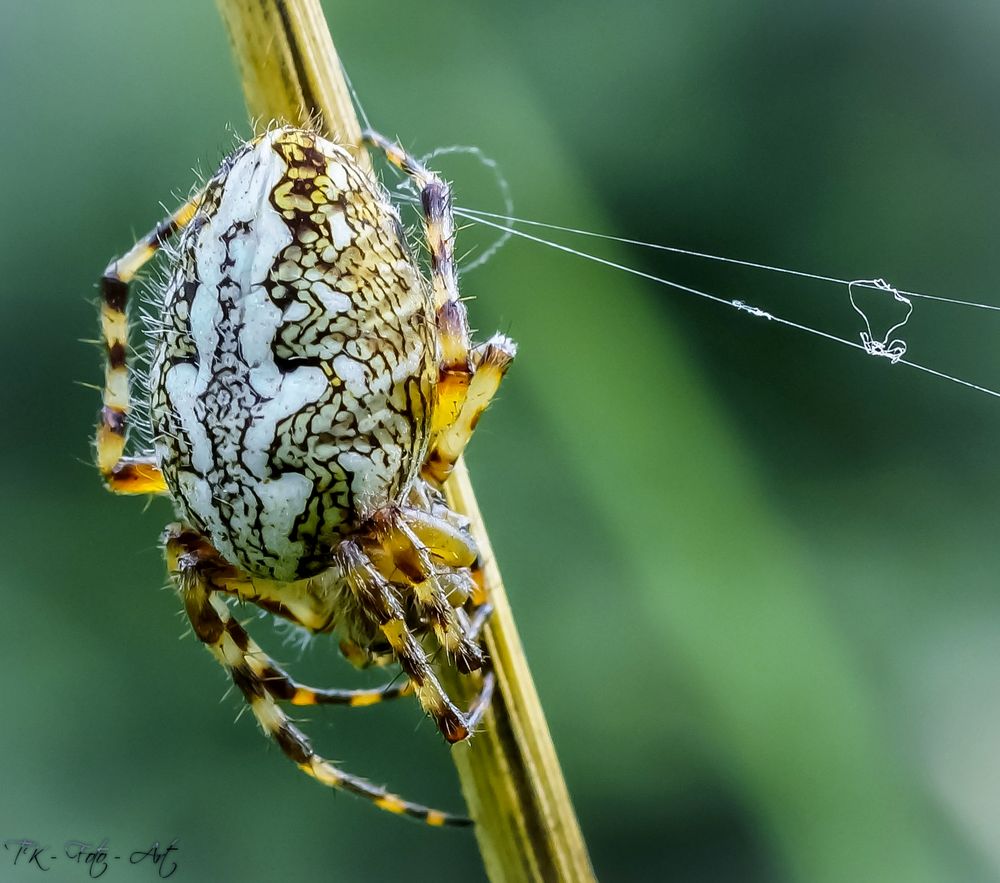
(466, 382)
(418, 544)
(127, 475)
(455, 369)
(379, 600)
(365, 657)
(490, 362)
(479, 597)
(305, 603)
(247, 665)
(180, 541)
(285, 688)
(439, 223)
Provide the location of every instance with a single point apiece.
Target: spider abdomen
(293, 373)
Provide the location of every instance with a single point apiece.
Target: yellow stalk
(525, 823)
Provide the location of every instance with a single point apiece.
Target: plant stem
(510, 773)
(525, 823)
(290, 70)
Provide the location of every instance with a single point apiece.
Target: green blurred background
(754, 571)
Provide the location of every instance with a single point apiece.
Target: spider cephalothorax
(309, 390)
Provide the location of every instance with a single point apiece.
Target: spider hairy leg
(439, 226)
(127, 475)
(415, 544)
(250, 670)
(455, 369)
(186, 549)
(305, 609)
(379, 600)
(284, 687)
(466, 381)
(490, 362)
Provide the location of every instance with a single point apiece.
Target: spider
(309, 391)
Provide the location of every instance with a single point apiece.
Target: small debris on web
(888, 347)
(753, 311)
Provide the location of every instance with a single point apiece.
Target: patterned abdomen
(291, 381)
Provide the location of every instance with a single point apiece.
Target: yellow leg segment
(455, 369)
(416, 544)
(465, 385)
(127, 475)
(490, 363)
(378, 598)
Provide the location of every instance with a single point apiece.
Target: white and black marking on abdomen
(291, 383)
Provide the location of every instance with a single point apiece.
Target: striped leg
(304, 603)
(465, 384)
(378, 599)
(418, 544)
(285, 688)
(445, 534)
(185, 548)
(127, 475)
(248, 667)
(455, 370)
(490, 362)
